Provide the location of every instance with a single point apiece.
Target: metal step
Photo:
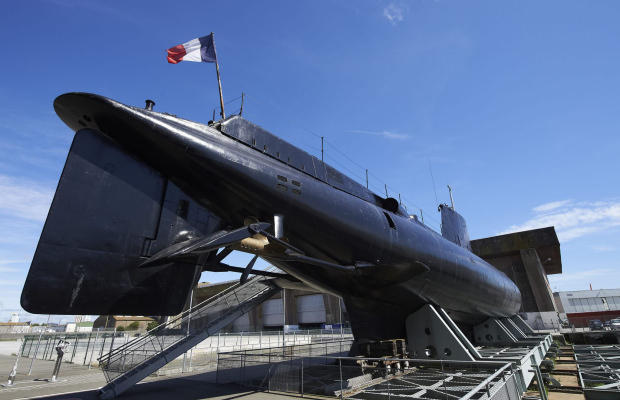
(219, 312)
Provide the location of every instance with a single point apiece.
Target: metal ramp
(129, 364)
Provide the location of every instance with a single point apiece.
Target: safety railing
(295, 371)
(190, 322)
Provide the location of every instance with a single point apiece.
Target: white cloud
(572, 219)
(386, 134)
(581, 275)
(602, 247)
(24, 199)
(551, 206)
(393, 13)
(6, 262)
(11, 282)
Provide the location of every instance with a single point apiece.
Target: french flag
(200, 50)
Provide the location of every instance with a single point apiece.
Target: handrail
(486, 382)
(150, 335)
(450, 363)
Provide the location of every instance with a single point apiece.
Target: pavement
(78, 382)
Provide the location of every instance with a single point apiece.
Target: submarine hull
(355, 244)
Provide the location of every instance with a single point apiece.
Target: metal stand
(494, 332)
(11, 381)
(60, 350)
(432, 334)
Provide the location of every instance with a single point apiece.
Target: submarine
(147, 201)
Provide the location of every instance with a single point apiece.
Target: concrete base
(542, 320)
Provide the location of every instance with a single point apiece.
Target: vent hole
(183, 208)
(430, 352)
(389, 220)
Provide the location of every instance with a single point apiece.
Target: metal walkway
(129, 364)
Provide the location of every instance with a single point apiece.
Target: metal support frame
(493, 332)
(431, 334)
(430, 337)
(598, 367)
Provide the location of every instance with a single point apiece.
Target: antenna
(433, 179)
(451, 199)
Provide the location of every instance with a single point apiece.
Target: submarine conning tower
(453, 227)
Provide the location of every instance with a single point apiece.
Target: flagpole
(219, 82)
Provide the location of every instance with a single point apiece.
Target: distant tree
(133, 326)
(35, 324)
(120, 329)
(152, 325)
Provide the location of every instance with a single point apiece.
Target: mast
(219, 82)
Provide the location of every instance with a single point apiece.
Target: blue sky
(515, 105)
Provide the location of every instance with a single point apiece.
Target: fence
(86, 348)
(584, 322)
(303, 370)
(204, 356)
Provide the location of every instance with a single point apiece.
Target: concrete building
(581, 306)
(85, 326)
(81, 318)
(304, 310)
(527, 258)
(117, 321)
(52, 327)
(14, 327)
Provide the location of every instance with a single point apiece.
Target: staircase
(129, 364)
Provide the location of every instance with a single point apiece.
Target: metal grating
(293, 370)
(598, 367)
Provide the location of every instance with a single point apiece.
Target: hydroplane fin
(248, 269)
(197, 246)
